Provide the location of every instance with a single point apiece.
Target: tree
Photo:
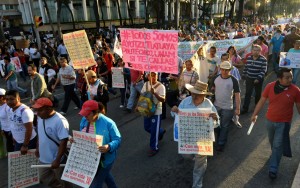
(49, 17)
(206, 9)
(96, 13)
(66, 3)
(59, 4)
(232, 6)
(2, 37)
(240, 12)
(100, 2)
(146, 12)
(129, 12)
(119, 11)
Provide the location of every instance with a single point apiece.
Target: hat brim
(84, 112)
(37, 105)
(193, 90)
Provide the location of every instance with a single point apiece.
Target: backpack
(145, 105)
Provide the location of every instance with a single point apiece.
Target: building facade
(10, 16)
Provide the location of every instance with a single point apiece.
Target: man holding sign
(282, 95)
(198, 100)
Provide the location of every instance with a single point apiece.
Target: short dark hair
(6, 58)
(33, 67)
(13, 93)
(281, 71)
(213, 47)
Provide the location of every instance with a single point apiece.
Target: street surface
(244, 163)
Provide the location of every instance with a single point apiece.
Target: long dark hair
(232, 47)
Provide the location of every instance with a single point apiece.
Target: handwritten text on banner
(79, 49)
(150, 50)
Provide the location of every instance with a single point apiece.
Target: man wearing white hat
(198, 100)
(226, 88)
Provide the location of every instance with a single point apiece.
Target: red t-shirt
(280, 107)
(109, 61)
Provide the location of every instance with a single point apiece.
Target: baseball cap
(88, 107)
(41, 102)
(2, 91)
(225, 65)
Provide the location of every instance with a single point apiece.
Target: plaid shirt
(69, 71)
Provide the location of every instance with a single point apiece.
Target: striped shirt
(91, 129)
(67, 71)
(255, 69)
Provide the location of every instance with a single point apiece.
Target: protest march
(207, 79)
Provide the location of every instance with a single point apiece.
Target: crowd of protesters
(91, 89)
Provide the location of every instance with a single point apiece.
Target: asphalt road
(244, 163)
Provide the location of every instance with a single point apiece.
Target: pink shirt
(264, 50)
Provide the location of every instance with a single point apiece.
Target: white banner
(196, 131)
(20, 173)
(83, 159)
(186, 50)
(117, 77)
(289, 60)
(242, 45)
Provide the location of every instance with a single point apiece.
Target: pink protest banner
(150, 50)
(79, 49)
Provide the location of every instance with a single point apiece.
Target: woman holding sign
(95, 122)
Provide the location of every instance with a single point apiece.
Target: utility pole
(36, 31)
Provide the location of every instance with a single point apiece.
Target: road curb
(296, 182)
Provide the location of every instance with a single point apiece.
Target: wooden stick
(45, 166)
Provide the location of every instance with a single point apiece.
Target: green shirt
(11, 67)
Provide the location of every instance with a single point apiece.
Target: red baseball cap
(88, 107)
(42, 102)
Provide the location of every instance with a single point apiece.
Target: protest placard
(16, 62)
(289, 60)
(79, 49)
(20, 173)
(83, 159)
(196, 131)
(150, 50)
(117, 78)
(186, 50)
(22, 44)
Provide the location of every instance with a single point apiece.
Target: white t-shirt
(57, 127)
(18, 118)
(214, 62)
(160, 90)
(94, 87)
(4, 114)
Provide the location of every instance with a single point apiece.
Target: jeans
(152, 125)
(199, 170)
(296, 72)
(9, 141)
(275, 134)
(225, 120)
(70, 95)
(275, 61)
(52, 177)
(31, 145)
(134, 90)
(13, 84)
(24, 72)
(103, 175)
(249, 90)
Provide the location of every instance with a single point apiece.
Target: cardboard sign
(196, 131)
(289, 60)
(20, 173)
(22, 44)
(117, 78)
(150, 50)
(79, 49)
(83, 159)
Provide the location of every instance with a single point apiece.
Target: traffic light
(38, 20)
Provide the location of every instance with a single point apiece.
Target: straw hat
(199, 88)
(226, 65)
